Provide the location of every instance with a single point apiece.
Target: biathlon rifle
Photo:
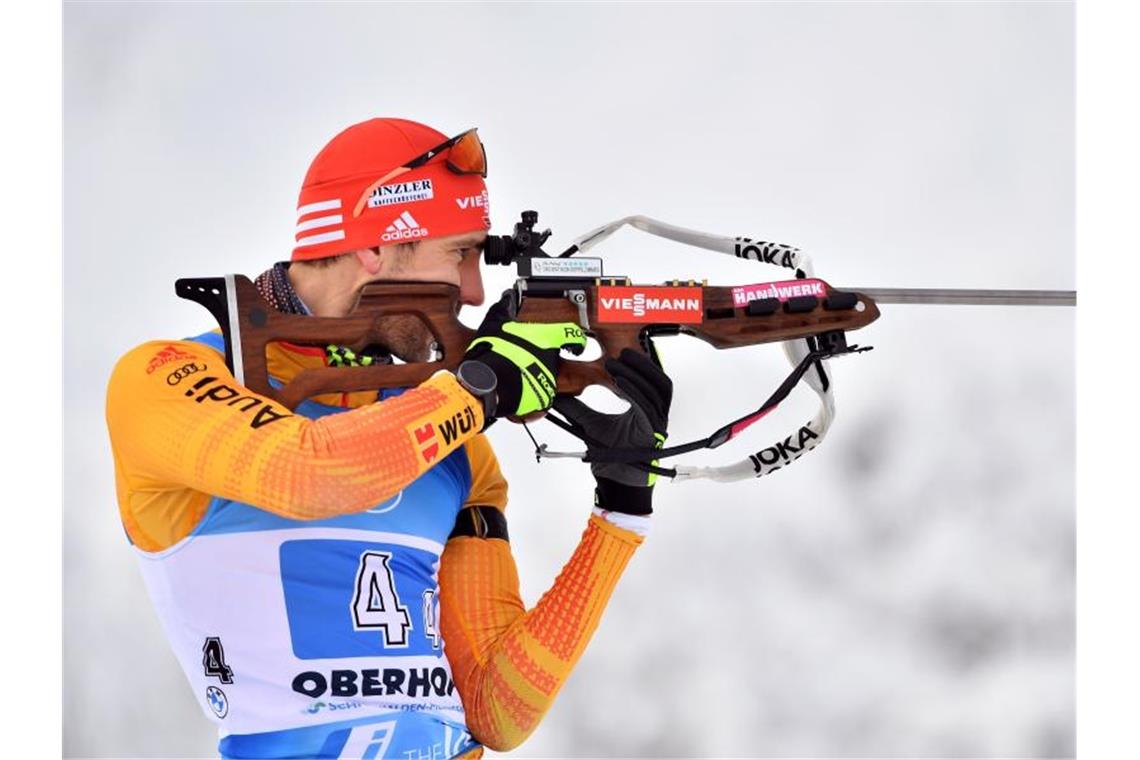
(807, 315)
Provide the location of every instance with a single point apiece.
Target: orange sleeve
(509, 662)
(488, 486)
(178, 438)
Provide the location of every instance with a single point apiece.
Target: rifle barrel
(971, 297)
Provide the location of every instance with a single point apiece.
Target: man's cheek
(470, 268)
(471, 284)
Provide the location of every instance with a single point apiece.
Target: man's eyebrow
(471, 240)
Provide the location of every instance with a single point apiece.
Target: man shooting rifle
(336, 580)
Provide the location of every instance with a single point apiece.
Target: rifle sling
(642, 456)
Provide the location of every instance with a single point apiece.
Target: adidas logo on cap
(405, 227)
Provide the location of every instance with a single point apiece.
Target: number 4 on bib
(376, 604)
(214, 660)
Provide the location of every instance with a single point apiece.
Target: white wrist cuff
(638, 524)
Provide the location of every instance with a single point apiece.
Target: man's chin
(415, 355)
(407, 338)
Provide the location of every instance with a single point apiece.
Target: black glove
(640, 380)
(523, 356)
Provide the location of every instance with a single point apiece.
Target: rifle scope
(505, 249)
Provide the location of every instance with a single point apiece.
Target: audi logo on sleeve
(183, 372)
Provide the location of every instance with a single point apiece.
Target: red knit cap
(426, 202)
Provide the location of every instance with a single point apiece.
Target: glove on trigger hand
(641, 380)
(523, 356)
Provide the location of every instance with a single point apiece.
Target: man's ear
(370, 260)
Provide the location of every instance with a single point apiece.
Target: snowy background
(906, 590)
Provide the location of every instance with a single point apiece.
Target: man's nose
(471, 283)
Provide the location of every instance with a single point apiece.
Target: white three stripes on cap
(404, 221)
(329, 220)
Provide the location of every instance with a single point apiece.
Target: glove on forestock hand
(523, 356)
(621, 487)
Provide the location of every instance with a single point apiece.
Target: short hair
(401, 260)
(403, 255)
(321, 263)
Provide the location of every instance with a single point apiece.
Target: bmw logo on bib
(216, 699)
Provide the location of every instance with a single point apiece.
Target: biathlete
(336, 580)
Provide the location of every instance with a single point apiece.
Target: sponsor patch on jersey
(450, 428)
(427, 442)
(633, 304)
(185, 371)
(401, 192)
(782, 290)
(319, 705)
(416, 683)
(216, 699)
(213, 390)
(167, 354)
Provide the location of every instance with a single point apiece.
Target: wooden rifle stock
(723, 324)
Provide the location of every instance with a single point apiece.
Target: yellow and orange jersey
(183, 430)
(309, 571)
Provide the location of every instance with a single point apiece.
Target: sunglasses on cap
(465, 155)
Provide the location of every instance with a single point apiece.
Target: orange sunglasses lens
(467, 156)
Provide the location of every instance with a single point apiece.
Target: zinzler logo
(401, 192)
